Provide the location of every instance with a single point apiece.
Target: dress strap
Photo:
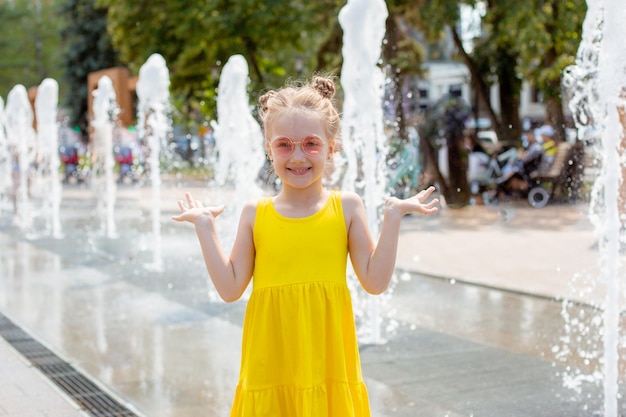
(263, 202)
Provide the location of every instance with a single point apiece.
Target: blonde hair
(315, 97)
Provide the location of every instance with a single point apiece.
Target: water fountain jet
(5, 164)
(106, 110)
(22, 139)
(363, 137)
(238, 136)
(153, 115)
(598, 87)
(46, 103)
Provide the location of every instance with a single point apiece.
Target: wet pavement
(495, 311)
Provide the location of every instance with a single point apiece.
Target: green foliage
(12, 45)
(438, 14)
(87, 49)
(196, 38)
(542, 35)
(548, 39)
(402, 50)
(30, 46)
(408, 58)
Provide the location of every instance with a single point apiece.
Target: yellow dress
(300, 355)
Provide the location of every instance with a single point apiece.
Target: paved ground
(25, 392)
(513, 247)
(456, 343)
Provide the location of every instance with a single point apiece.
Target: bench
(546, 181)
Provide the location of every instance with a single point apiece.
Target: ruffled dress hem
(333, 399)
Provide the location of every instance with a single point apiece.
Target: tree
(519, 41)
(493, 59)
(403, 54)
(533, 40)
(446, 121)
(87, 49)
(449, 114)
(197, 37)
(30, 45)
(497, 56)
(548, 39)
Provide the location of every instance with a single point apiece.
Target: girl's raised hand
(193, 209)
(418, 203)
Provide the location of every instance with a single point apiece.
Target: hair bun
(324, 86)
(265, 98)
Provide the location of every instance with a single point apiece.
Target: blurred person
(527, 160)
(546, 135)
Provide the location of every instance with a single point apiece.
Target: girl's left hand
(194, 210)
(416, 204)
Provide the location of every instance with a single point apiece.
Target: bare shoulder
(351, 202)
(250, 205)
(248, 212)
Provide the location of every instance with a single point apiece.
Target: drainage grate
(81, 389)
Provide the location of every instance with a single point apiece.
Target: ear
(331, 150)
(268, 150)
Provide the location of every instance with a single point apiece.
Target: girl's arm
(374, 263)
(230, 275)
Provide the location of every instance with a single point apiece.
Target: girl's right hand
(194, 210)
(418, 203)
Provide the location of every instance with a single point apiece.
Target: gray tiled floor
(160, 341)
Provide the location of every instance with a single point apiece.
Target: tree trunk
(251, 55)
(556, 117)
(331, 47)
(431, 166)
(554, 104)
(479, 84)
(392, 37)
(453, 123)
(510, 86)
(458, 194)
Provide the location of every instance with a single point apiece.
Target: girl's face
(305, 165)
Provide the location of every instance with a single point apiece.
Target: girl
(300, 354)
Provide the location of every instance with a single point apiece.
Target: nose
(298, 152)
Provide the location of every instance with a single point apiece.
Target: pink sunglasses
(283, 146)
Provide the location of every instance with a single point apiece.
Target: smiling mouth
(299, 171)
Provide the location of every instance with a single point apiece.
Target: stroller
(519, 178)
(484, 169)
